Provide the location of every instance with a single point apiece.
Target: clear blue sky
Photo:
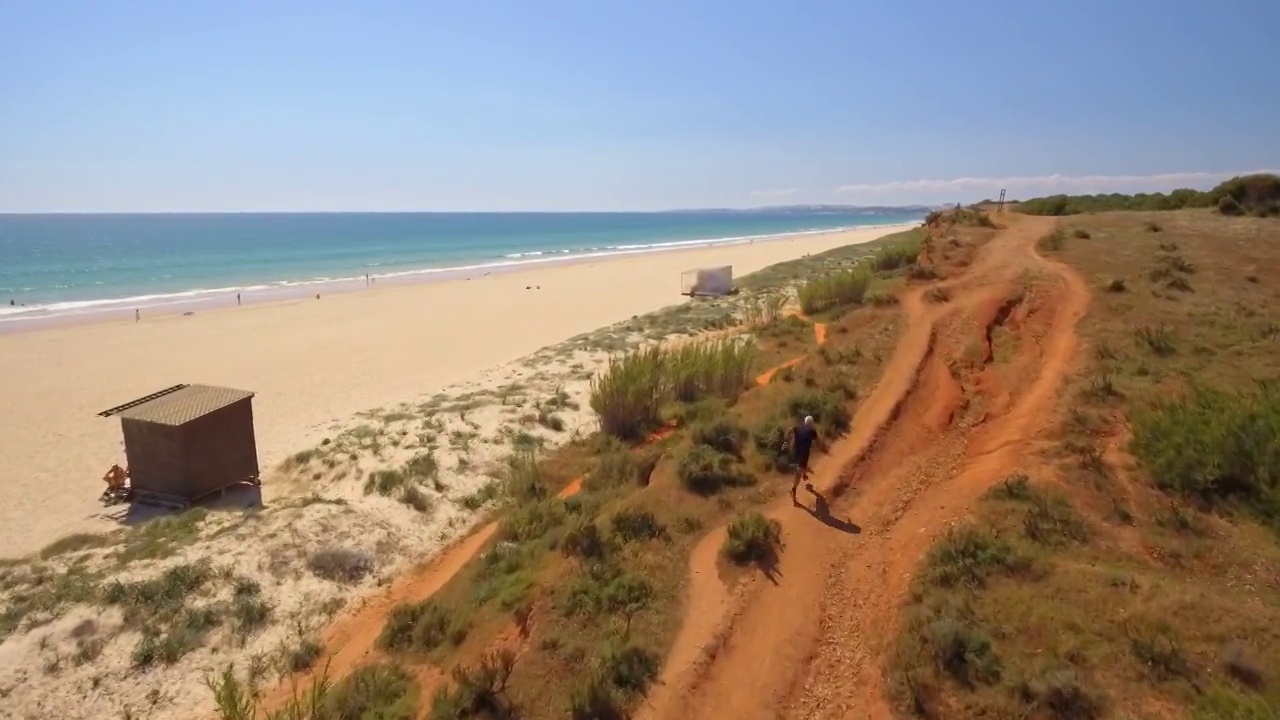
(607, 104)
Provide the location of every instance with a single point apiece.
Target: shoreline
(385, 421)
(24, 319)
(314, 366)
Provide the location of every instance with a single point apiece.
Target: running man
(802, 437)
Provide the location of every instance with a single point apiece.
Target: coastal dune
(312, 363)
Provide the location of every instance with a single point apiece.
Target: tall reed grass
(629, 395)
(761, 310)
(844, 287)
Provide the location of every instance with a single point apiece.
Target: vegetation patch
(421, 627)
(753, 538)
(1121, 579)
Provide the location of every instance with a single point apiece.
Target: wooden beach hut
(186, 442)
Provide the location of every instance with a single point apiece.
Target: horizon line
(756, 208)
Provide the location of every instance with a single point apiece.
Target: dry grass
(1136, 594)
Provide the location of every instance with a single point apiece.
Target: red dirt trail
(351, 640)
(814, 644)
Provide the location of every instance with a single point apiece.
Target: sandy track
(814, 644)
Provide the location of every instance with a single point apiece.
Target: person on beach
(237, 298)
(137, 314)
(801, 441)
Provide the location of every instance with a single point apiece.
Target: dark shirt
(804, 436)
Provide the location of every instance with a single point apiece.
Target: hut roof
(178, 405)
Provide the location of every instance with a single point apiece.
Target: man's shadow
(822, 512)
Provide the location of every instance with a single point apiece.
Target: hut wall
(220, 449)
(155, 456)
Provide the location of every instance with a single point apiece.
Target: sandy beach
(311, 362)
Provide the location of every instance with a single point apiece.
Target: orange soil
(351, 641)
(819, 333)
(814, 644)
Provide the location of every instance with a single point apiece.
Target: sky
(108, 105)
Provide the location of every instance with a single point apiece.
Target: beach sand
(384, 420)
(313, 364)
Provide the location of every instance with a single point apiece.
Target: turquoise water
(68, 264)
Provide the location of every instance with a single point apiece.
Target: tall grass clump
(761, 310)
(893, 257)
(718, 368)
(1216, 446)
(629, 395)
(844, 287)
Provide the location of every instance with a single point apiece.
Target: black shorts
(802, 459)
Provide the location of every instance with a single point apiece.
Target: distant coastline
(70, 267)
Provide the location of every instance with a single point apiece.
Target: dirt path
(814, 644)
(351, 640)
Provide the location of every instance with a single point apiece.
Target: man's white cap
(808, 419)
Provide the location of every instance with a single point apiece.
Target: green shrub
(1061, 694)
(1227, 205)
(768, 439)
(1055, 240)
(963, 652)
(715, 368)
(1254, 194)
(843, 287)
(524, 481)
(706, 471)
(637, 525)
(893, 257)
(1157, 339)
(723, 435)
(584, 540)
(1216, 446)
(421, 627)
(1222, 703)
(629, 668)
(478, 691)
(412, 496)
(753, 538)
(1056, 205)
(828, 408)
(630, 393)
(604, 589)
(967, 556)
(595, 699)
(339, 564)
(423, 467)
(1050, 520)
(533, 521)
(382, 691)
(1016, 487)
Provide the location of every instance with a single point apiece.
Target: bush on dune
(629, 395)
(845, 287)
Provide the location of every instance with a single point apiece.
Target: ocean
(57, 265)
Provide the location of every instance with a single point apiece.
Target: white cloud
(973, 188)
(772, 194)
